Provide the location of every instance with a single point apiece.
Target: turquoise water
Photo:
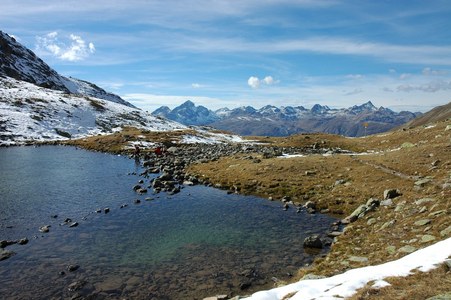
(197, 243)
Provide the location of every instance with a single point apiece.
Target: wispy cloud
(72, 48)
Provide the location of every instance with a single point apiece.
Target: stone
(313, 241)
(360, 259)
(44, 229)
(437, 213)
(407, 145)
(312, 277)
(310, 204)
(427, 238)
(5, 254)
(448, 127)
(391, 193)
(72, 268)
(391, 249)
(76, 285)
(371, 221)
(74, 224)
(358, 213)
(422, 182)
(388, 224)
(445, 232)
(424, 200)
(106, 210)
(407, 249)
(245, 285)
(445, 296)
(422, 222)
(447, 264)
(23, 241)
(5, 243)
(388, 202)
(334, 233)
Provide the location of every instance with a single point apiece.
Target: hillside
(358, 120)
(440, 113)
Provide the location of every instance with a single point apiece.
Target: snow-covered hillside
(32, 113)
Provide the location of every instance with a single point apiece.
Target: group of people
(158, 151)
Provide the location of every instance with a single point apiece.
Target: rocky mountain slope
(20, 63)
(286, 120)
(38, 104)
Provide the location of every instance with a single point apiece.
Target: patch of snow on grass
(346, 284)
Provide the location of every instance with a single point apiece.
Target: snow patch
(346, 284)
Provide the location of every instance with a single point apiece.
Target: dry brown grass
(437, 281)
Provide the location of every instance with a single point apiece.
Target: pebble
(74, 224)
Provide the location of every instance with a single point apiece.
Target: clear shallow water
(197, 243)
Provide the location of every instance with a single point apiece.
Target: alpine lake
(197, 243)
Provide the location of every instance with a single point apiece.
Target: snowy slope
(32, 113)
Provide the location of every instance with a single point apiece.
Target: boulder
(391, 193)
(313, 241)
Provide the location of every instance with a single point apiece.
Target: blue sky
(221, 53)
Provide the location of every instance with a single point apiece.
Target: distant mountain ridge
(270, 120)
(20, 63)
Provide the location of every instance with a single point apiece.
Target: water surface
(197, 243)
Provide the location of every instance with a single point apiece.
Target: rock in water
(313, 241)
(45, 228)
(5, 254)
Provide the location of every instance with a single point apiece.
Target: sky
(220, 53)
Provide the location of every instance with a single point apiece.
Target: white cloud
(268, 80)
(431, 87)
(405, 76)
(353, 92)
(73, 49)
(255, 82)
(354, 76)
(196, 85)
(430, 72)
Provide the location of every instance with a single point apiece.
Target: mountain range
(269, 120)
